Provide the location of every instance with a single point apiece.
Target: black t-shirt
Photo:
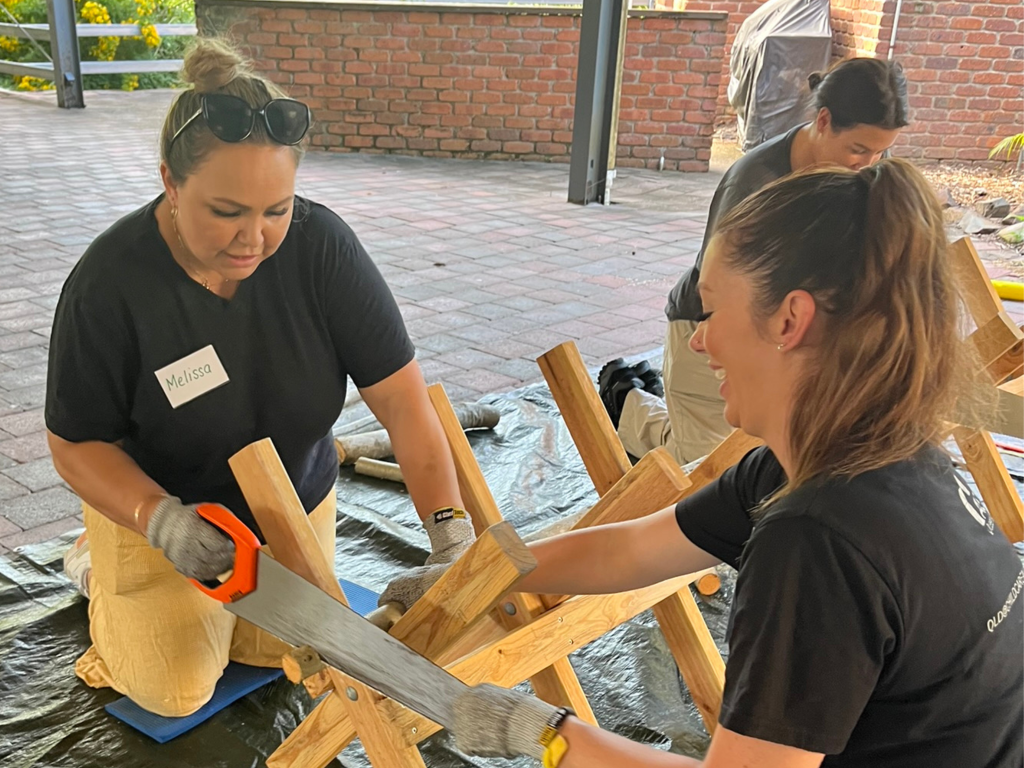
(313, 314)
(756, 169)
(876, 620)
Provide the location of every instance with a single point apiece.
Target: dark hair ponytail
(870, 247)
(863, 92)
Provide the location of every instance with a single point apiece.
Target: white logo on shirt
(1003, 612)
(972, 506)
(192, 376)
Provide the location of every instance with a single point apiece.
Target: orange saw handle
(242, 580)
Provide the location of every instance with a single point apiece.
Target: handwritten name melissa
(187, 376)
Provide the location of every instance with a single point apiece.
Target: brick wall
(861, 27)
(965, 66)
(497, 83)
(738, 11)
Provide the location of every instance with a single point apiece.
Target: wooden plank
(978, 292)
(286, 527)
(695, 653)
(585, 416)
(467, 591)
(654, 483)
(1014, 386)
(275, 505)
(994, 341)
(684, 629)
(382, 743)
(994, 482)
(737, 445)
(319, 739)
(1010, 365)
(558, 684)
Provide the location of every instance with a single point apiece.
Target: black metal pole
(598, 73)
(67, 70)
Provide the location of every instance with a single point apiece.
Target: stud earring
(780, 347)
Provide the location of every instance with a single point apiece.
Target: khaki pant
(689, 422)
(156, 638)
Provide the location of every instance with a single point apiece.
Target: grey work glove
(411, 585)
(451, 534)
(497, 722)
(195, 548)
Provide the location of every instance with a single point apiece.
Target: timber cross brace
(468, 621)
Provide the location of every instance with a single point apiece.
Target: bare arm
(400, 402)
(107, 479)
(590, 747)
(614, 558)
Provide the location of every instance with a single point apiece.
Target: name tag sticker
(192, 376)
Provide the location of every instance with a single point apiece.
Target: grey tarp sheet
(776, 48)
(49, 718)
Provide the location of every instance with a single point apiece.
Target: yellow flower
(130, 83)
(151, 36)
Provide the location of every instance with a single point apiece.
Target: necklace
(191, 272)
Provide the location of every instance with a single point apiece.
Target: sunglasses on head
(231, 119)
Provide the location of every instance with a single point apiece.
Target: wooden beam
(654, 483)
(558, 684)
(585, 416)
(281, 516)
(994, 482)
(286, 527)
(681, 622)
(727, 453)
(975, 286)
(467, 591)
(695, 653)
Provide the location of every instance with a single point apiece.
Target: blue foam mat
(237, 681)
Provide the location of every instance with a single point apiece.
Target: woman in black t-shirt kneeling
(226, 311)
(877, 618)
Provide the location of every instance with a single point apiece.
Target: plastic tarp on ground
(776, 49)
(49, 718)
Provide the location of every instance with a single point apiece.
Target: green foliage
(149, 46)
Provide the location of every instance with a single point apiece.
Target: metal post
(598, 78)
(67, 70)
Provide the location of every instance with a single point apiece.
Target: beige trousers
(156, 638)
(689, 422)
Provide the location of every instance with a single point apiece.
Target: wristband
(555, 745)
(449, 513)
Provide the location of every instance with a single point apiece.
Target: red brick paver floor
(491, 266)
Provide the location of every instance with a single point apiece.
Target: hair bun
(814, 79)
(210, 64)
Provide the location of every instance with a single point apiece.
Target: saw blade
(289, 607)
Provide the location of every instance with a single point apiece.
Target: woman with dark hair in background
(877, 618)
(861, 107)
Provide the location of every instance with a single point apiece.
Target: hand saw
(265, 593)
